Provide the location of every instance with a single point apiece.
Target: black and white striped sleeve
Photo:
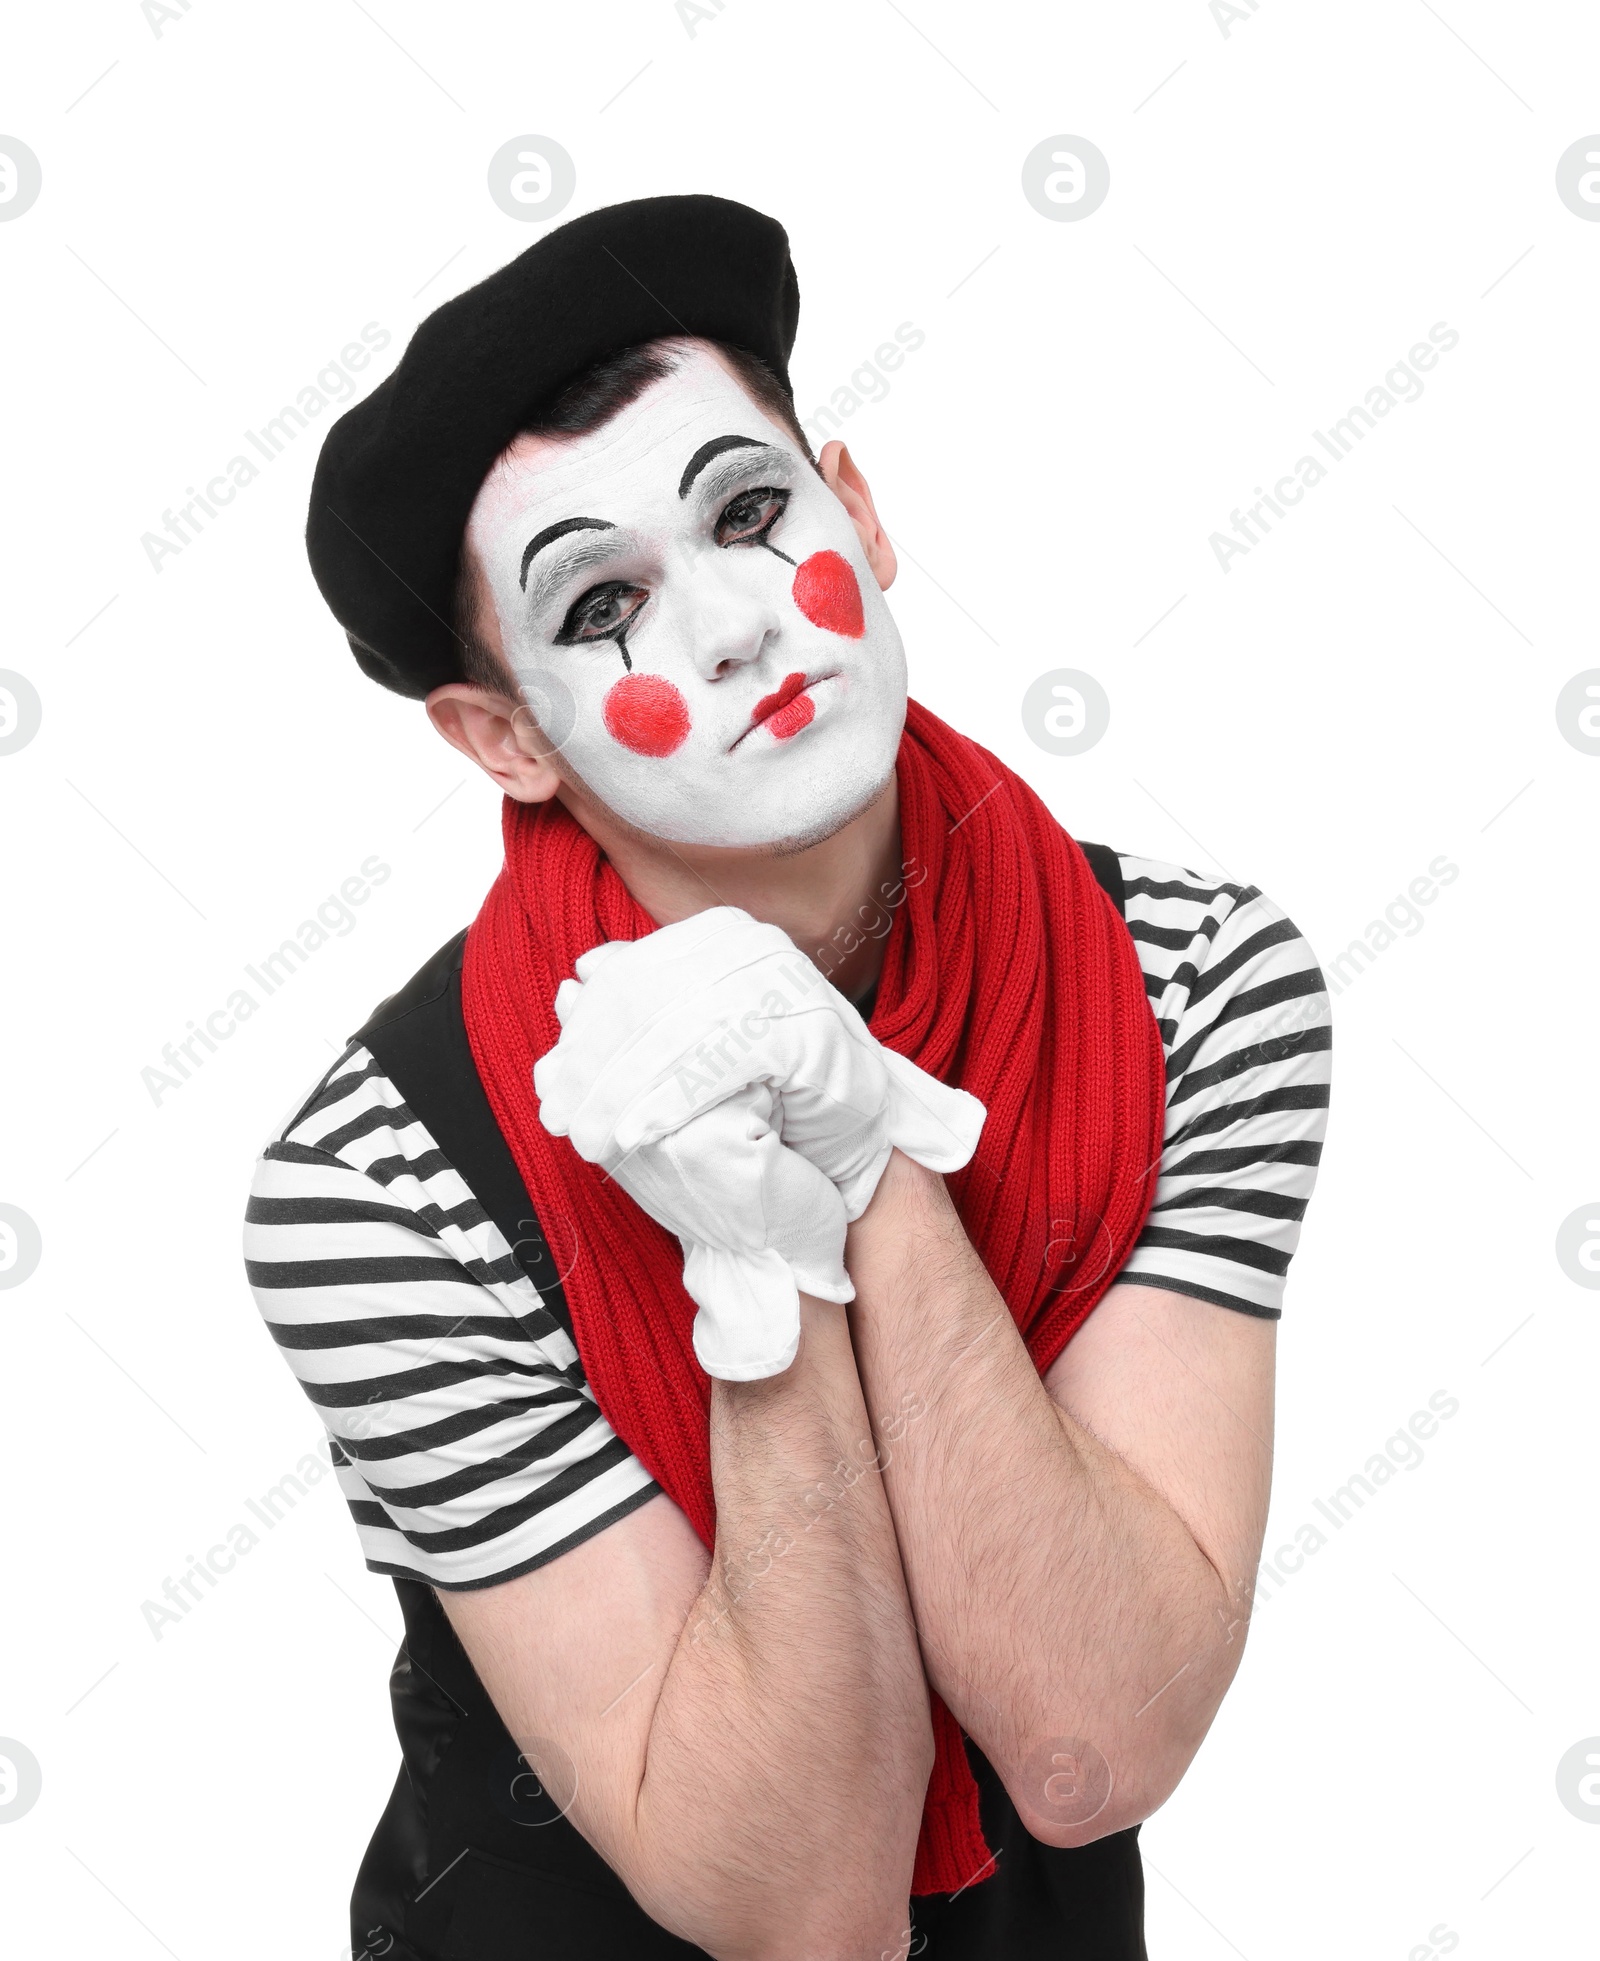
(1243, 1012)
(467, 1442)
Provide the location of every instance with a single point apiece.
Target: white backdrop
(1297, 196)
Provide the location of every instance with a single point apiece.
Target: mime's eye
(603, 613)
(751, 515)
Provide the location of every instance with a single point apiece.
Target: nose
(725, 625)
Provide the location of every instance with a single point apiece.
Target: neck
(835, 899)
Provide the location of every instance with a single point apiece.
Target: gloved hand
(655, 1030)
(757, 1222)
(659, 1033)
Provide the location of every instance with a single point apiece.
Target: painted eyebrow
(715, 447)
(580, 555)
(552, 532)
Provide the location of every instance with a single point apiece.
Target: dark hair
(587, 403)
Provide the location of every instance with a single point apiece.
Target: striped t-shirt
(465, 1436)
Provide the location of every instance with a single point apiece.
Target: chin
(768, 838)
(826, 826)
(812, 796)
(792, 803)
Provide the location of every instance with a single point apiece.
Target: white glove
(660, 1033)
(757, 1222)
(655, 1030)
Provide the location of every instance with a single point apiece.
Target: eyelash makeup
(572, 632)
(780, 499)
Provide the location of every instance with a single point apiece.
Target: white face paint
(690, 614)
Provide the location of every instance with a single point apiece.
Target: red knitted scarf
(1007, 971)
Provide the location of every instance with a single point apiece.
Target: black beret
(398, 472)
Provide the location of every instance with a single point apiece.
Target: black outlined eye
(748, 518)
(604, 612)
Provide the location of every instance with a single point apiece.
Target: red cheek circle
(825, 590)
(647, 715)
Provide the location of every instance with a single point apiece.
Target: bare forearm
(792, 1728)
(1057, 1596)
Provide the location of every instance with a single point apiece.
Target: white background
(1373, 685)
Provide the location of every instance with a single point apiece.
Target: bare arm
(1080, 1551)
(750, 1735)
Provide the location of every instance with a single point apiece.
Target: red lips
(787, 712)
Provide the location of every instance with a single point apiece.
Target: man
(801, 1555)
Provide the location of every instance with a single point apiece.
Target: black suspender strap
(419, 1039)
(1107, 868)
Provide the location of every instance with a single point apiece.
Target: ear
(847, 483)
(499, 735)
